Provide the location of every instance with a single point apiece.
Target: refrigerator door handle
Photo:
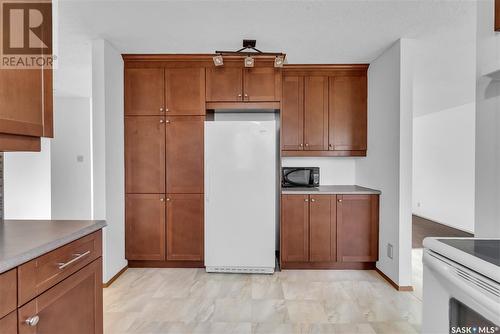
(209, 182)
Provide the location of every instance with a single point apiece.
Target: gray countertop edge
(33, 253)
(331, 190)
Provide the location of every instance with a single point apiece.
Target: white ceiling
(308, 31)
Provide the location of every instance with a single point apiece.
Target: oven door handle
(450, 272)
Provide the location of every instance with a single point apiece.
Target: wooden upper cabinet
(357, 228)
(348, 113)
(145, 226)
(184, 147)
(316, 113)
(497, 15)
(56, 307)
(262, 84)
(321, 229)
(224, 84)
(144, 91)
(22, 101)
(292, 113)
(185, 91)
(185, 227)
(144, 154)
(295, 228)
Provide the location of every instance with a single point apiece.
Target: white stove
(461, 285)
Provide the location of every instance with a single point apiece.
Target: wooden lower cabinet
(329, 231)
(8, 324)
(357, 228)
(72, 306)
(185, 227)
(145, 226)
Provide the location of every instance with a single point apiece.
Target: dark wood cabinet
(316, 113)
(145, 154)
(237, 84)
(357, 228)
(224, 84)
(262, 84)
(185, 91)
(55, 308)
(184, 151)
(324, 110)
(322, 228)
(295, 228)
(347, 113)
(329, 231)
(26, 108)
(292, 113)
(145, 226)
(497, 15)
(8, 324)
(144, 91)
(185, 227)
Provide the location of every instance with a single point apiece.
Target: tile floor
(292, 301)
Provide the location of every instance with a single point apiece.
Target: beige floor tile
(306, 311)
(269, 311)
(232, 310)
(221, 327)
(300, 290)
(398, 327)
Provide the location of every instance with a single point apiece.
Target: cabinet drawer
(8, 324)
(8, 292)
(40, 274)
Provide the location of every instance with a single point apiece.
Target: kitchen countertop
(331, 190)
(24, 240)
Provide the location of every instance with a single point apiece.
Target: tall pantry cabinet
(164, 125)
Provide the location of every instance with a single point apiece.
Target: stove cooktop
(487, 250)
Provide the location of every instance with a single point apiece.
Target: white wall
(487, 198)
(387, 166)
(27, 192)
(71, 159)
(108, 153)
(443, 166)
(332, 170)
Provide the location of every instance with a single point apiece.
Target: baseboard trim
(391, 282)
(108, 283)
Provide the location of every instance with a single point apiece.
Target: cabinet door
(262, 84)
(185, 91)
(21, 101)
(348, 113)
(295, 228)
(72, 306)
(145, 226)
(185, 148)
(144, 91)
(316, 113)
(321, 229)
(8, 324)
(224, 84)
(357, 228)
(292, 113)
(144, 154)
(185, 227)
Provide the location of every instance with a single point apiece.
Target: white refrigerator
(241, 197)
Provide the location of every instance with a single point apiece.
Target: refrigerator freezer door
(240, 196)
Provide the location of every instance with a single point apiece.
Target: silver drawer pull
(63, 265)
(32, 321)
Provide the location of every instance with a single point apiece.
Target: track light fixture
(249, 60)
(218, 60)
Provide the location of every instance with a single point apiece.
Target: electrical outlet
(389, 250)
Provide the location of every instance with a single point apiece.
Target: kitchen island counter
(24, 240)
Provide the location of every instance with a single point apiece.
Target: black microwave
(300, 177)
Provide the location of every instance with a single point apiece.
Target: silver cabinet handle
(161, 109)
(307, 145)
(239, 95)
(340, 201)
(301, 145)
(168, 199)
(168, 121)
(32, 321)
(162, 199)
(306, 200)
(166, 109)
(313, 200)
(161, 121)
(63, 265)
